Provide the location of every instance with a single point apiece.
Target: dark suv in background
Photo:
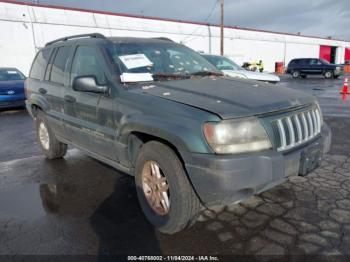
(301, 67)
(159, 111)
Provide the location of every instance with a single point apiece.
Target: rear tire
(296, 74)
(328, 74)
(51, 147)
(184, 206)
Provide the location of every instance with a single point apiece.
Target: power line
(205, 20)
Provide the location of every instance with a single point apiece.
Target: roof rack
(93, 35)
(163, 38)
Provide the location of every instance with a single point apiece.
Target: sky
(309, 17)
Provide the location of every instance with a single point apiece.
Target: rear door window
(39, 65)
(294, 63)
(304, 62)
(307, 62)
(59, 65)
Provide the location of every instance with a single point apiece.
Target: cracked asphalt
(78, 205)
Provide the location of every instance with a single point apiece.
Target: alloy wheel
(156, 188)
(44, 136)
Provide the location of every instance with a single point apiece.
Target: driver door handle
(70, 99)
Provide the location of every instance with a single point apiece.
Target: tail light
(25, 88)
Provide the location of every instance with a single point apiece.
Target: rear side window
(39, 65)
(59, 65)
(295, 62)
(292, 63)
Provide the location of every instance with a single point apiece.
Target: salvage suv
(157, 110)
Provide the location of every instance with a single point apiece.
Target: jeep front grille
(296, 129)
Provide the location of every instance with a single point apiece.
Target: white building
(26, 27)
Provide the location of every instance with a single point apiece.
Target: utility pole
(222, 28)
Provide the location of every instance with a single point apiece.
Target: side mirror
(88, 84)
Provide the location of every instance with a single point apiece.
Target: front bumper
(338, 72)
(11, 104)
(12, 101)
(226, 179)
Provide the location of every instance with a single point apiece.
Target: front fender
(185, 135)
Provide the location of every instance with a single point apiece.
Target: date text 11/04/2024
(173, 258)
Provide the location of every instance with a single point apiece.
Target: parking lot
(79, 206)
(327, 91)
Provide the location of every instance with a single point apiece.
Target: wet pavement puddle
(29, 202)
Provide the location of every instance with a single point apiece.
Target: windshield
(222, 63)
(10, 75)
(160, 60)
(325, 61)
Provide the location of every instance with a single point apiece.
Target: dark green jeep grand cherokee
(159, 111)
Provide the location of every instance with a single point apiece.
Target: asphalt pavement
(327, 91)
(79, 206)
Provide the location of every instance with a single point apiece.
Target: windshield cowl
(146, 77)
(207, 73)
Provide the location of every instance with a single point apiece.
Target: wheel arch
(181, 135)
(35, 109)
(136, 139)
(36, 103)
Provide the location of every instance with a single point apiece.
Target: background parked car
(301, 67)
(11, 88)
(230, 68)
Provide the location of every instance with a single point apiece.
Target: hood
(16, 86)
(335, 65)
(228, 97)
(253, 75)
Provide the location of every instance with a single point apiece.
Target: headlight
(236, 136)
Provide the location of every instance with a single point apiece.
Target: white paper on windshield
(135, 61)
(136, 77)
(12, 72)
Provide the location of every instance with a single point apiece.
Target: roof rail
(163, 38)
(93, 35)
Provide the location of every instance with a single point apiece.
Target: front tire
(51, 147)
(163, 189)
(328, 74)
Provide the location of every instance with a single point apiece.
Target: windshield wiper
(159, 76)
(207, 73)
